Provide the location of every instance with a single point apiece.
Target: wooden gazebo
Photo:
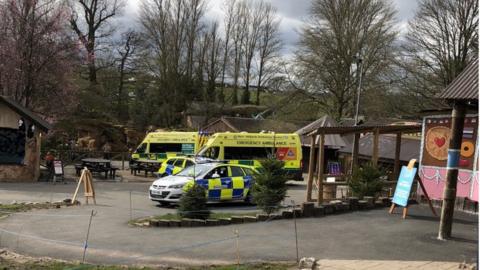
(321, 132)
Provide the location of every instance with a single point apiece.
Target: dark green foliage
(270, 185)
(193, 203)
(245, 96)
(366, 181)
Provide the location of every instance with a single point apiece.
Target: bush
(193, 203)
(366, 181)
(270, 185)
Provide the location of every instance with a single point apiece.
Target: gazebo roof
(387, 129)
(24, 112)
(464, 86)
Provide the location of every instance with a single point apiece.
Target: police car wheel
(164, 203)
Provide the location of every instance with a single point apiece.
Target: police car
(175, 165)
(223, 182)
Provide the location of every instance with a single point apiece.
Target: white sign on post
(58, 168)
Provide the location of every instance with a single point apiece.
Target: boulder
(236, 219)
(224, 221)
(153, 222)
(186, 222)
(175, 223)
(163, 223)
(319, 211)
(353, 201)
(197, 222)
(329, 209)
(212, 222)
(262, 217)
(362, 204)
(287, 214)
(307, 209)
(307, 263)
(247, 219)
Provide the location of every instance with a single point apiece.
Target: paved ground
(367, 235)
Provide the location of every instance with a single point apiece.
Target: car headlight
(176, 186)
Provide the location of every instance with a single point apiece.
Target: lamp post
(357, 108)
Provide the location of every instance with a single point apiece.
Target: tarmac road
(365, 235)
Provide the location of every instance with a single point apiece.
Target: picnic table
(97, 165)
(147, 166)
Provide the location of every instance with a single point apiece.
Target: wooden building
(20, 140)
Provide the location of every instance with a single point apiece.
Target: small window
(211, 152)
(236, 171)
(165, 147)
(141, 149)
(178, 163)
(248, 171)
(218, 172)
(189, 163)
(171, 161)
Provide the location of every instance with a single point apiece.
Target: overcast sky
(291, 12)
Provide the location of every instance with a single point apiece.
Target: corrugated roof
(410, 148)
(333, 140)
(241, 124)
(464, 86)
(24, 112)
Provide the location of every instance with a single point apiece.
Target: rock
(13, 202)
(175, 223)
(319, 211)
(329, 209)
(297, 212)
(353, 201)
(247, 219)
(212, 222)
(379, 203)
(370, 201)
(307, 263)
(262, 217)
(287, 214)
(307, 209)
(362, 204)
(224, 221)
(197, 222)
(146, 224)
(186, 222)
(274, 217)
(67, 201)
(163, 223)
(153, 222)
(236, 219)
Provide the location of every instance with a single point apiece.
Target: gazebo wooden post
(321, 156)
(376, 135)
(396, 165)
(311, 168)
(356, 140)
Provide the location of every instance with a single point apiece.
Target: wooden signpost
(89, 192)
(404, 185)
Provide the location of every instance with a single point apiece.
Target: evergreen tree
(193, 203)
(270, 185)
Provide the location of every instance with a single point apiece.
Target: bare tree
(92, 25)
(228, 25)
(268, 48)
(37, 54)
(239, 30)
(214, 68)
(130, 40)
(441, 41)
(253, 19)
(338, 31)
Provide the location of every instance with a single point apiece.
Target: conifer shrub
(193, 203)
(270, 185)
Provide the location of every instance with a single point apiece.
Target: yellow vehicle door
(238, 183)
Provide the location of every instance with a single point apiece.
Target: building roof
(464, 86)
(241, 124)
(410, 148)
(24, 112)
(333, 140)
(383, 129)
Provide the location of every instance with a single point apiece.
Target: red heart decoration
(439, 141)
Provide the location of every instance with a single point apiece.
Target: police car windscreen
(196, 170)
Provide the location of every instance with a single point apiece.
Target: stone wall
(29, 171)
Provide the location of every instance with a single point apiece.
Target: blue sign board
(404, 185)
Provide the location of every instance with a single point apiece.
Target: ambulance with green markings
(250, 148)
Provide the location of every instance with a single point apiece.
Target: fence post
(86, 237)
(295, 223)
(123, 161)
(237, 235)
(131, 218)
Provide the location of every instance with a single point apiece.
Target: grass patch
(6, 209)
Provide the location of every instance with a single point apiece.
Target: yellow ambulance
(250, 148)
(160, 145)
